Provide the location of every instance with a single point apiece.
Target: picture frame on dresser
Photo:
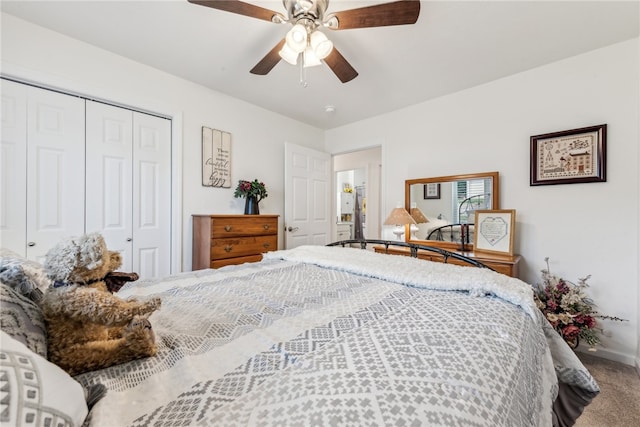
(569, 157)
(494, 231)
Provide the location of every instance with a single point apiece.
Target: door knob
(129, 239)
(31, 244)
(292, 229)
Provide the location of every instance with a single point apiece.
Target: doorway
(356, 205)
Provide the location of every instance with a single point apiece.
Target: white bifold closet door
(43, 168)
(129, 185)
(70, 166)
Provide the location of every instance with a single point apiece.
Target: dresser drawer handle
(227, 228)
(266, 245)
(266, 226)
(228, 248)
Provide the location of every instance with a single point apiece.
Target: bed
(340, 336)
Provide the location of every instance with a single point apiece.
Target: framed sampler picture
(569, 157)
(494, 231)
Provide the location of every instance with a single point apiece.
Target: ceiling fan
(305, 44)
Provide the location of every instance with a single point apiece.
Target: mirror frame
(495, 203)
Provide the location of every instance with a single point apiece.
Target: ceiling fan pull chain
(303, 77)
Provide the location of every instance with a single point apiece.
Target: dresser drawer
(251, 225)
(242, 246)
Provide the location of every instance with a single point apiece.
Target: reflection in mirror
(448, 206)
(351, 203)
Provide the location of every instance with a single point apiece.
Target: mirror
(448, 204)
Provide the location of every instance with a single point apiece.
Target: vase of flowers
(253, 192)
(568, 309)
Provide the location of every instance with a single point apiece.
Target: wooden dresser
(504, 264)
(220, 240)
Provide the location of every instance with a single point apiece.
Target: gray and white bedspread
(322, 336)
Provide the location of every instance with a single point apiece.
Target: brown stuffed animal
(89, 327)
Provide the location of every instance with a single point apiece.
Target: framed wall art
(432, 191)
(569, 157)
(494, 231)
(216, 158)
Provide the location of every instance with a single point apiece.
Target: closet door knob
(129, 239)
(31, 244)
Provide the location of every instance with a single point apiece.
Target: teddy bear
(89, 327)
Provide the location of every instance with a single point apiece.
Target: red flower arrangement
(248, 189)
(569, 310)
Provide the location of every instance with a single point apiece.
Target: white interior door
(151, 195)
(109, 136)
(307, 193)
(13, 167)
(55, 169)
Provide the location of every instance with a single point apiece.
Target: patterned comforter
(338, 336)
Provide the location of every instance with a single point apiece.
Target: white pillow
(38, 392)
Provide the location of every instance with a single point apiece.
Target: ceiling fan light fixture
(288, 54)
(307, 16)
(297, 38)
(320, 44)
(310, 58)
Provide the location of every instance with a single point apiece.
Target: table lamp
(399, 217)
(419, 217)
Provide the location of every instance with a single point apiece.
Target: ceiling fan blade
(269, 61)
(239, 7)
(380, 15)
(340, 67)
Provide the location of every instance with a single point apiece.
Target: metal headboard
(413, 248)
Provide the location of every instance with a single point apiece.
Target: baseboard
(615, 356)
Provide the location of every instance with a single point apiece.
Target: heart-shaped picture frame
(494, 231)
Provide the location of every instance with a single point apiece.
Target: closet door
(13, 166)
(55, 169)
(151, 195)
(129, 186)
(109, 136)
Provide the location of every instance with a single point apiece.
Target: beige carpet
(618, 404)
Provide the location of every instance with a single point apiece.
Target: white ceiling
(453, 46)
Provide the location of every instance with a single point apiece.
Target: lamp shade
(418, 216)
(399, 216)
(310, 58)
(288, 54)
(320, 44)
(297, 38)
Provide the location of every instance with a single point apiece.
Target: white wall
(583, 228)
(257, 148)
